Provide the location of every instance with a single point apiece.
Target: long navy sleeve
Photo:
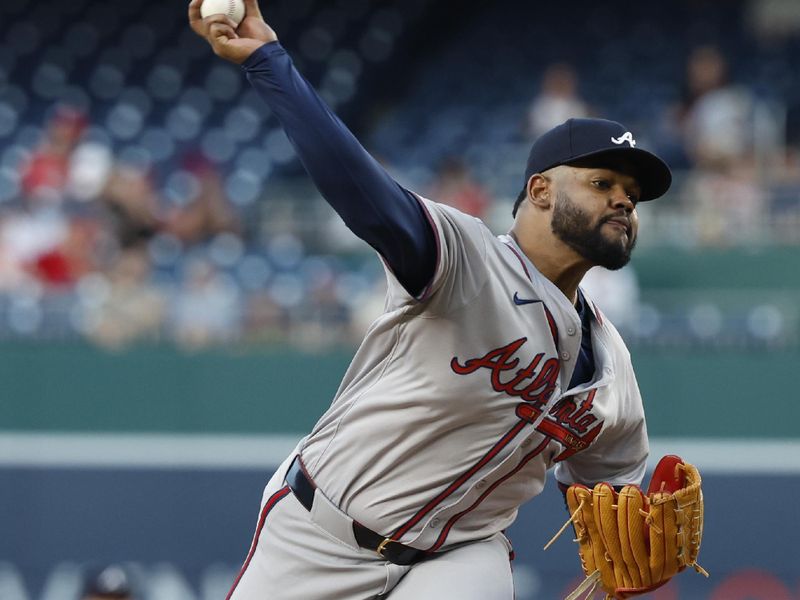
(372, 204)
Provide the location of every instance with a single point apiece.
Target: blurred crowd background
(147, 195)
(178, 303)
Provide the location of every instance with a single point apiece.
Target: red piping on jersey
(273, 500)
(597, 314)
(446, 529)
(502, 443)
(550, 320)
(522, 262)
(552, 323)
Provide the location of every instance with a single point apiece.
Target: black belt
(394, 552)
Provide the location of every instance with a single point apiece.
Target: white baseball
(234, 9)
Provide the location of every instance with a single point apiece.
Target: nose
(620, 199)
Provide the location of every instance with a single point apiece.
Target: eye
(602, 184)
(633, 198)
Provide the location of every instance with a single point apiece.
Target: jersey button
(481, 484)
(571, 330)
(565, 355)
(525, 443)
(434, 523)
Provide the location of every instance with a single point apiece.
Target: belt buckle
(382, 546)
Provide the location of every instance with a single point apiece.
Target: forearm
(371, 203)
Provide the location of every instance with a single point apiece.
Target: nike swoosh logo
(522, 301)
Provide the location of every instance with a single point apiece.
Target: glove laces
(590, 584)
(565, 525)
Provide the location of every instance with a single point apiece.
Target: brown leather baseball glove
(630, 542)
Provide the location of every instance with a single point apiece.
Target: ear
(540, 191)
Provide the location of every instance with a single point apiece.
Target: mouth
(620, 223)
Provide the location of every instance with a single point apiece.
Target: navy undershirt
(584, 366)
(372, 204)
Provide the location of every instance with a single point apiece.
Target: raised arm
(371, 203)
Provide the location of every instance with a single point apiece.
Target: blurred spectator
(46, 173)
(773, 20)
(74, 256)
(133, 204)
(558, 100)
(785, 184)
(111, 582)
(263, 321)
(455, 186)
(124, 306)
(727, 207)
(27, 237)
(206, 211)
(44, 244)
(325, 318)
(200, 209)
(717, 120)
(206, 308)
(90, 168)
(717, 116)
(57, 172)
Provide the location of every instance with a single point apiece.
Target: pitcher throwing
(488, 367)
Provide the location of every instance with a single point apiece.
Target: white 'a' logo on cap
(625, 137)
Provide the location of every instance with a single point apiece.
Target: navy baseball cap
(580, 139)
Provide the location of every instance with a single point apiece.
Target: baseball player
(488, 366)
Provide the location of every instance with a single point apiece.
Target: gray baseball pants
(302, 555)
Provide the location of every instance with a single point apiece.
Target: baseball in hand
(233, 9)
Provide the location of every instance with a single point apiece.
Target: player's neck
(555, 260)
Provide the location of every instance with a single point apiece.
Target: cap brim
(652, 173)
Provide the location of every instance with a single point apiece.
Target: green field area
(699, 393)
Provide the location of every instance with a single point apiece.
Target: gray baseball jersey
(447, 420)
(456, 403)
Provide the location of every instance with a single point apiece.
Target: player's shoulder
(456, 228)
(451, 214)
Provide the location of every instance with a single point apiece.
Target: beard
(574, 227)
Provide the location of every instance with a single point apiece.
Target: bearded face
(604, 242)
